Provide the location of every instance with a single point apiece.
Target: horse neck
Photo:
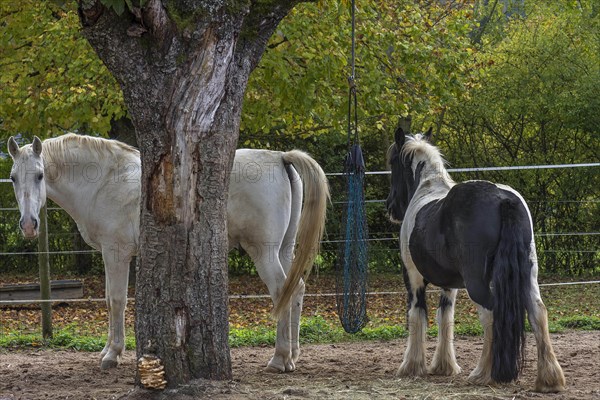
(72, 179)
(434, 181)
(66, 187)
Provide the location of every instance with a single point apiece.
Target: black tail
(511, 284)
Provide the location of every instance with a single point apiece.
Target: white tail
(312, 224)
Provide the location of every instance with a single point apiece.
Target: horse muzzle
(29, 227)
(394, 220)
(393, 217)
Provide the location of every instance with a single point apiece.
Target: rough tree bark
(183, 66)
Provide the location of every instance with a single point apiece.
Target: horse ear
(399, 137)
(428, 135)
(37, 145)
(13, 147)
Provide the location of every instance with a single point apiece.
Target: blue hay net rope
(352, 265)
(353, 258)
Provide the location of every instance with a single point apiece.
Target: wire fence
(392, 235)
(375, 236)
(264, 295)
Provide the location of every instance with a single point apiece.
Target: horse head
(405, 176)
(27, 175)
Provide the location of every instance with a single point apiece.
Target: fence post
(44, 265)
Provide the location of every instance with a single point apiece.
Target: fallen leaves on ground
(91, 318)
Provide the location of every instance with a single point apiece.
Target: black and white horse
(475, 235)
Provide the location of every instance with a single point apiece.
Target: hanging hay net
(352, 264)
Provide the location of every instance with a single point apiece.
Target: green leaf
(65, 85)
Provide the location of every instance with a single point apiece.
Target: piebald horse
(475, 235)
(97, 181)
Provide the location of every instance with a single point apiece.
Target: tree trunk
(184, 87)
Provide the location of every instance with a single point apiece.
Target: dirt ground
(359, 370)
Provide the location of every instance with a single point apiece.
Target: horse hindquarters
(311, 226)
(286, 256)
(511, 286)
(279, 221)
(307, 223)
(516, 288)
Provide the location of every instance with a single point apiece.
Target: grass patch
(318, 330)
(312, 330)
(580, 322)
(240, 337)
(468, 329)
(382, 333)
(16, 340)
(61, 339)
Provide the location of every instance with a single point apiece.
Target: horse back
(457, 236)
(260, 197)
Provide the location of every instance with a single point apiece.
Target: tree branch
(260, 24)
(155, 18)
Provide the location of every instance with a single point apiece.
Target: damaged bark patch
(181, 327)
(161, 202)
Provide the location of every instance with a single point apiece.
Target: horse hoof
(412, 369)
(444, 370)
(295, 356)
(108, 364)
(550, 379)
(480, 379)
(549, 388)
(279, 368)
(273, 370)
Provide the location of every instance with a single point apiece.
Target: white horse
(97, 181)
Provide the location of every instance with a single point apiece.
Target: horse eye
(13, 179)
(40, 177)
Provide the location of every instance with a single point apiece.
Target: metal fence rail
(387, 236)
(262, 296)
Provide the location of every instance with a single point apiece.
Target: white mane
(78, 148)
(417, 147)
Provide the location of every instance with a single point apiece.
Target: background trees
(535, 104)
(521, 93)
(51, 79)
